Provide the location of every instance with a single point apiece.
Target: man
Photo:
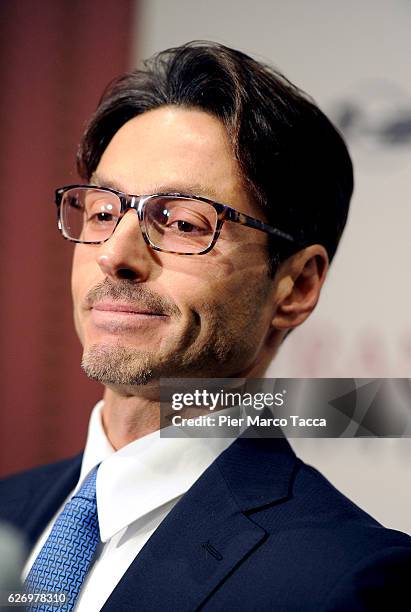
(246, 191)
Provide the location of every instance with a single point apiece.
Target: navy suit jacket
(259, 530)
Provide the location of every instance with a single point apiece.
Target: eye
(186, 227)
(181, 217)
(101, 217)
(100, 212)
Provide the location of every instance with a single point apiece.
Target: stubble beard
(117, 365)
(127, 366)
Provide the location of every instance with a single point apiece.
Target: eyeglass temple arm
(243, 219)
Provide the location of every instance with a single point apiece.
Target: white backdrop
(354, 59)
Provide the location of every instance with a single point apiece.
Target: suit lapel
(208, 533)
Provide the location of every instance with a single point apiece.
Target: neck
(129, 417)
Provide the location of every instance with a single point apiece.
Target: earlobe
(299, 286)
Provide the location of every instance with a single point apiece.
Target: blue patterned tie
(66, 556)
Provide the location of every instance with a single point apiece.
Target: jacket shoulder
(339, 517)
(22, 493)
(320, 548)
(14, 485)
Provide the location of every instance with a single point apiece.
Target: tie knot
(88, 488)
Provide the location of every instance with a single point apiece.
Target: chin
(117, 364)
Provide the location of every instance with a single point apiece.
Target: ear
(299, 282)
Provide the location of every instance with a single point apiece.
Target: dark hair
(294, 161)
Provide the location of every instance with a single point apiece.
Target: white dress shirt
(136, 488)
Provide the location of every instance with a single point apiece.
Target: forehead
(172, 148)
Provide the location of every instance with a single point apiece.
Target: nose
(125, 255)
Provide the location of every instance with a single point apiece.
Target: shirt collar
(143, 475)
(98, 447)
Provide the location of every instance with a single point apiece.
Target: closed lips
(125, 308)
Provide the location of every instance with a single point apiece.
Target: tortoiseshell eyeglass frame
(138, 203)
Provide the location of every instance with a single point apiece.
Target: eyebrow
(187, 188)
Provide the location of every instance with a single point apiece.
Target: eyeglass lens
(172, 223)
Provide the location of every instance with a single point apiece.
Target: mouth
(125, 309)
(117, 316)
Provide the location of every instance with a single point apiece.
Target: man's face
(142, 314)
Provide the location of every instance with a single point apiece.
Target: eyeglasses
(170, 222)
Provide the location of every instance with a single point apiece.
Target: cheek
(76, 292)
(228, 304)
(83, 269)
(81, 281)
(77, 276)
